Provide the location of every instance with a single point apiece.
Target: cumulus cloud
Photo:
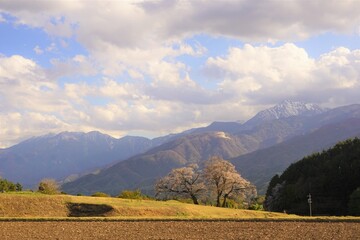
(30, 102)
(138, 83)
(159, 20)
(267, 75)
(248, 78)
(23, 125)
(119, 34)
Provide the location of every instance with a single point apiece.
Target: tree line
(331, 177)
(8, 186)
(217, 182)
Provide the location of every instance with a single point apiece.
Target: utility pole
(310, 201)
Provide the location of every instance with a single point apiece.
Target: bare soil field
(178, 230)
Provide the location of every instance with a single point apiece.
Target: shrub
(257, 203)
(256, 206)
(129, 194)
(100, 194)
(48, 186)
(236, 204)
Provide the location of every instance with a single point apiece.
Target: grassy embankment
(35, 206)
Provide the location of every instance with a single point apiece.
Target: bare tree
(183, 182)
(224, 180)
(48, 186)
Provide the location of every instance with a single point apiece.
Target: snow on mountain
(286, 109)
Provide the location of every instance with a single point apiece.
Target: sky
(149, 68)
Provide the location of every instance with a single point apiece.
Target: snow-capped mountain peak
(286, 109)
(292, 108)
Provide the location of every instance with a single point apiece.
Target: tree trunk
(224, 202)
(194, 200)
(218, 200)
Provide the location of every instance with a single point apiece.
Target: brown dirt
(179, 230)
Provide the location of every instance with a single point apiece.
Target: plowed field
(179, 230)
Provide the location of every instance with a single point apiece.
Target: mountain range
(264, 145)
(67, 155)
(287, 123)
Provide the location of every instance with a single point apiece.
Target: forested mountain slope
(332, 178)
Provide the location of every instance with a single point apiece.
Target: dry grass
(33, 205)
(128, 208)
(39, 206)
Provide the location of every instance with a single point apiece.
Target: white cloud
(16, 67)
(2, 19)
(20, 126)
(79, 65)
(260, 69)
(23, 84)
(260, 75)
(141, 23)
(51, 48)
(139, 85)
(127, 34)
(248, 79)
(38, 50)
(257, 20)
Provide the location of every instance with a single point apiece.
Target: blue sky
(155, 67)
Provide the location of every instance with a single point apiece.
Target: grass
(36, 206)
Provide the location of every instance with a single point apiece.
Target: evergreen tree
(331, 177)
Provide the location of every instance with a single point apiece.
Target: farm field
(38, 216)
(178, 230)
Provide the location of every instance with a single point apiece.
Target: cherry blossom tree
(183, 182)
(223, 179)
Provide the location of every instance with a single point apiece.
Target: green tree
(354, 203)
(331, 177)
(18, 187)
(8, 186)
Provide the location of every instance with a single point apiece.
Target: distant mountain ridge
(141, 171)
(136, 162)
(67, 153)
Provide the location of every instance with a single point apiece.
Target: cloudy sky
(153, 67)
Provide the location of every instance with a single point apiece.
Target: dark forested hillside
(331, 177)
